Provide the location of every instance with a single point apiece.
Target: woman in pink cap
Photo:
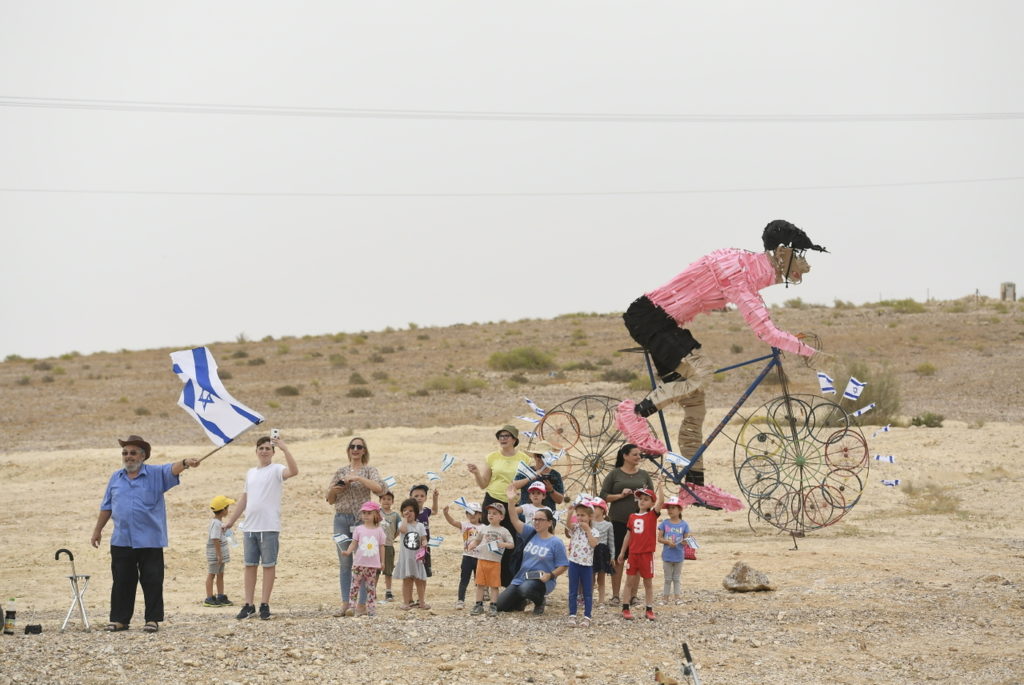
(367, 552)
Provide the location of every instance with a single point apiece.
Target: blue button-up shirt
(137, 506)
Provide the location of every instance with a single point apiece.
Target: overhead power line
(583, 193)
(484, 115)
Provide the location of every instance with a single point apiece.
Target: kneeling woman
(544, 560)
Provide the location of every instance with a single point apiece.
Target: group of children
(592, 554)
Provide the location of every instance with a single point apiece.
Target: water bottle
(9, 616)
(230, 535)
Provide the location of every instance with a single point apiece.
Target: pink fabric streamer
(636, 429)
(721, 277)
(712, 495)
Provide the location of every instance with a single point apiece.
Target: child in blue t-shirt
(672, 533)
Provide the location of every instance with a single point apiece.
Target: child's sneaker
(248, 610)
(585, 623)
(571, 621)
(493, 610)
(649, 614)
(211, 602)
(477, 610)
(459, 604)
(627, 614)
(388, 597)
(264, 611)
(224, 601)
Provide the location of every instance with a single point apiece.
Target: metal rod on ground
(689, 668)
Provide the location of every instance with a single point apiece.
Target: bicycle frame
(677, 474)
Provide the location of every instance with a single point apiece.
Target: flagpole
(216, 449)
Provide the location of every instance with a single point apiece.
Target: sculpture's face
(790, 264)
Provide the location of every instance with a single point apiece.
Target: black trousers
(131, 567)
(468, 572)
(515, 597)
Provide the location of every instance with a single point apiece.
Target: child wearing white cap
(469, 528)
(582, 541)
(537, 491)
(672, 534)
(605, 550)
(218, 554)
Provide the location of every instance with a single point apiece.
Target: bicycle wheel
(560, 428)
(758, 477)
(592, 454)
(800, 466)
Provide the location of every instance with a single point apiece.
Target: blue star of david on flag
(206, 399)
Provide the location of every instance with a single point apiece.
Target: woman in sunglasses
(351, 486)
(544, 559)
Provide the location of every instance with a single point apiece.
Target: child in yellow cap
(218, 554)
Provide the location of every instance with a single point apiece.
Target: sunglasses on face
(357, 447)
(538, 520)
(125, 453)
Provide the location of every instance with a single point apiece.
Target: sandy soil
(920, 583)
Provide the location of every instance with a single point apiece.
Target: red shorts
(642, 564)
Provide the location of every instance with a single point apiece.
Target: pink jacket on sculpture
(721, 277)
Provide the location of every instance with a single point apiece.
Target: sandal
(422, 605)
(405, 607)
(114, 627)
(151, 627)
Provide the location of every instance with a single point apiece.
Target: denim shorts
(261, 548)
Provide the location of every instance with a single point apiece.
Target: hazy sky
(654, 132)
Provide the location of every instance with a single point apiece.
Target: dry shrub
(882, 388)
(931, 499)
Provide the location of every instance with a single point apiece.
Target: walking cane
(76, 590)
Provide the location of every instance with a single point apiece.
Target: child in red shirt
(640, 543)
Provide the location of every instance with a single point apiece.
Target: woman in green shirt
(617, 490)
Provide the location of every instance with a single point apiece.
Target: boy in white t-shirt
(261, 504)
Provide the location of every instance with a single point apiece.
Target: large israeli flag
(206, 399)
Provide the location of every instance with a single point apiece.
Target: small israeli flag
(342, 541)
(530, 434)
(206, 399)
(884, 429)
(891, 483)
(828, 386)
(529, 419)
(447, 461)
(435, 541)
(390, 482)
(461, 502)
(863, 410)
(433, 477)
(853, 389)
(551, 457)
(525, 470)
(691, 542)
(582, 497)
(677, 459)
(887, 458)
(533, 405)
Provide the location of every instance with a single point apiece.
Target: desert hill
(963, 360)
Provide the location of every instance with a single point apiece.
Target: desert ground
(917, 583)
